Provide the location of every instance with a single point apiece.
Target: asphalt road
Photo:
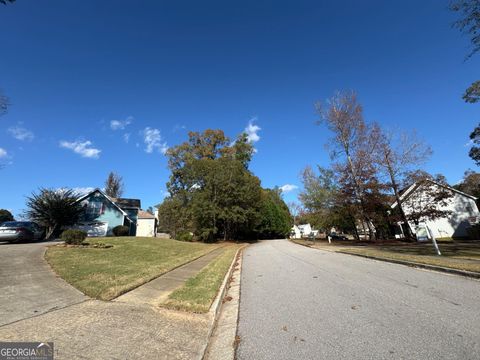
(28, 287)
(302, 303)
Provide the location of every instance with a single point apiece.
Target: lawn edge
(127, 291)
(165, 273)
(218, 302)
(465, 273)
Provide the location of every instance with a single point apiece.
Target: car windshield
(15, 224)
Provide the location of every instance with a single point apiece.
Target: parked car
(335, 236)
(14, 231)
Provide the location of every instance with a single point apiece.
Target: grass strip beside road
(198, 293)
(442, 261)
(132, 261)
(455, 255)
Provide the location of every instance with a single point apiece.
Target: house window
(95, 209)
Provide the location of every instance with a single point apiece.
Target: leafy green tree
(472, 94)
(275, 221)
(211, 182)
(173, 217)
(474, 152)
(469, 24)
(224, 199)
(54, 209)
(5, 215)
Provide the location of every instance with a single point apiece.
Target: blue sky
(81, 75)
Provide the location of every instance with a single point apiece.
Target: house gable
(101, 212)
(462, 210)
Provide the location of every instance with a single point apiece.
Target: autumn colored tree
(114, 185)
(352, 148)
(396, 155)
(470, 183)
(433, 196)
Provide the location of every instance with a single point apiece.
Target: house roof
(108, 198)
(127, 203)
(411, 189)
(145, 215)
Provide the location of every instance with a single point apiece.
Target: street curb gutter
(471, 274)
(465, 273)
(217, 303)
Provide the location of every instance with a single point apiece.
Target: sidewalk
(157, 290)
(131, 326)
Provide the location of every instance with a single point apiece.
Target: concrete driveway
(28, 287)
(302, 303)
(36, 305)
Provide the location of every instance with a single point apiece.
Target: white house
(301, 231)
(463, 208)
(146, 224)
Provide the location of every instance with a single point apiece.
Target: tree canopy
(54, 209)
(5, 215)
(114, 185)
(214, 195)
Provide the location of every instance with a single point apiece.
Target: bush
(121, 230)
(73, 236)
(184, 236)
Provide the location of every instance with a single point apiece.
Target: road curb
(465, 273)
(218, 302)
(419, 265)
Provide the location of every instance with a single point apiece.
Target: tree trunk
(403, 216)
(51, 230)
(359, 195)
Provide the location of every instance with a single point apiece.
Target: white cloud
(126, 137)
(288, 187)
(21, 133)
(83, 148)
(153, 140)
(252, 131)
(120, 124)
(3, 153)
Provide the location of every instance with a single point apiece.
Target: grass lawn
(107, 273)
(198, 293)
(462, 255)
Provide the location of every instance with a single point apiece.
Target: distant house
(102, 213)
(463, 208)
(301, 231)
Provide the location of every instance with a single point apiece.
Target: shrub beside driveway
(105, 273)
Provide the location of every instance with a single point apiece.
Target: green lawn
(462, 255)
(199, 291)
(132, 261)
